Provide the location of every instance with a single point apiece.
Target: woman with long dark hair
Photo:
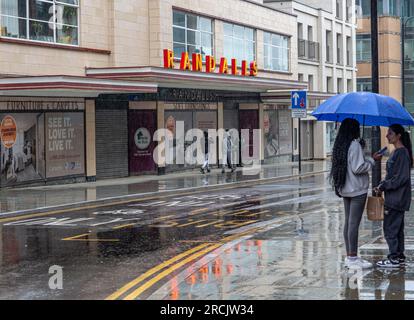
(397, 190)
(349, 176)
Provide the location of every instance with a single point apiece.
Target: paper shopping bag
(375, 208)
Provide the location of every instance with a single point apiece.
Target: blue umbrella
(370, 109)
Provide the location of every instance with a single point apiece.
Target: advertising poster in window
(271, 133)
(171, 119)
(277, 126)
(205, 120)
(249, 119)
(142, 126)
(19, 151)
(65, 148)
(285, 132)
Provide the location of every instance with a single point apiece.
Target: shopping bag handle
(376, 193)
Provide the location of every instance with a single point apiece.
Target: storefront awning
(172, 78)
(69, 86)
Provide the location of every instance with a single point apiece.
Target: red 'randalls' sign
(196, 64)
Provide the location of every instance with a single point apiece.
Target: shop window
(45, 146)
(278, 133)
(50, 21)
(192, 34)
(239, 43)
(276, 52)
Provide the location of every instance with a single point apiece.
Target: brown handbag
(375, 208)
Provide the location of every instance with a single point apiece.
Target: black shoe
(388, 263)
(208, 170)
(202, 171)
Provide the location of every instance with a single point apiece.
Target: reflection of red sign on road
(8, 132)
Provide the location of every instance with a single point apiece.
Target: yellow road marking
(219, 213)
(124, 226)
(168, 271)
(256, 214)
(81, 237)
(198, 211)
(165, 217)
(209, 224)
(76, 237)
(190, 223)
(164, 224)
(239, 212)
(196, 241)
(150, 272)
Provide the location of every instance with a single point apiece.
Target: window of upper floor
(192, 34)
(364, 84)
(339, 9)
(348, 10)
(49, 21)
(239, 43)
(276, 52)
(385, 7)
(408, 9)
(363, 48)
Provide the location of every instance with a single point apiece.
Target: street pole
(403, 60)
(300, 157)
(376, 131)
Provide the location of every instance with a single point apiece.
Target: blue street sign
(299, 100)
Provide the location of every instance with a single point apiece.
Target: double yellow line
(189, 256)
(131, 292)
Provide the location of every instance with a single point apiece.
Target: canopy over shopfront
(68, 86)
(170, 78)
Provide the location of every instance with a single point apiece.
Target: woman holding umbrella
(397, 189)
(350, 178)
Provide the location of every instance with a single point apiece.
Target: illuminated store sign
(196, 64)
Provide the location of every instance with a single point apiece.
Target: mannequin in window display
(9, 173)
(227, 152)
(272, 144)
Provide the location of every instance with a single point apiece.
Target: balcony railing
(308, 50)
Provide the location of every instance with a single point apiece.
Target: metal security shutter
(111, 143)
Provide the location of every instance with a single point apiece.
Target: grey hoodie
(397, 183)
(357, 177)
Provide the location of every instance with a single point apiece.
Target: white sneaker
(357, 263)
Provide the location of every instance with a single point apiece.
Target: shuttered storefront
(111, 141)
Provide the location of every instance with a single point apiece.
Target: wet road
(272, 241)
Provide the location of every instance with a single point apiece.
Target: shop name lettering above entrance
(41, 106)
(211, 64)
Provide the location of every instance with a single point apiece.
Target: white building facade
(326, 60)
